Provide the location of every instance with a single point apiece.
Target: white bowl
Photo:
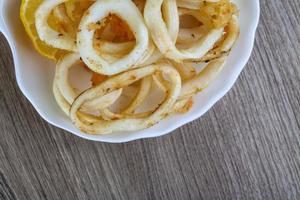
(35, 74)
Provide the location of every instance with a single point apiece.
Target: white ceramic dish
(35, 74)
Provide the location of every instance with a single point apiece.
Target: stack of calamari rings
(139, 44)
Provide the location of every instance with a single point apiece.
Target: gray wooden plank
(246, 147)
(6, 192)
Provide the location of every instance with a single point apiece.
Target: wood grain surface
(246, 147)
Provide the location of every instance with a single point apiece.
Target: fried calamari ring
(100, 103)
(188, 35)
(65, 93)
(186, 70)
(212, 14)
(143, 91)
(197, 84)
(62, 76)
(99, 10)
(163, 39)
(224, 46)
(115, 40)
(170, 15)
(193, 84)
(202, 80)
(114, 48)
(120, 81)
(153, 58)
(63, 21)
(46, 33)
(112, 51)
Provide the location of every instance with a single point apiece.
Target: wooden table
(246, 147)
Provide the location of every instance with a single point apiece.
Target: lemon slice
(27, 15)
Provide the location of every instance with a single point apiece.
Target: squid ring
(120, 81)
(202, 80)
(187, 35)
(194, 83)
(112, 51)
(141, 95)
(125, 9)
(163, 40)
(65, 94)
(197, 84)
(232, 31)
(46, 33)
